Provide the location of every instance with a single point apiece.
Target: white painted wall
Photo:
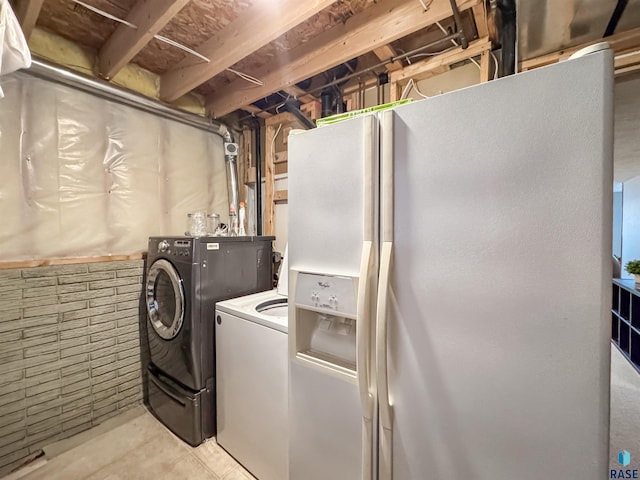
(627, 128)
(631, 223)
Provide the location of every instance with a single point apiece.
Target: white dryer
(252, 381)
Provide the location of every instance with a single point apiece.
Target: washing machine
(252, 381)
(185, 278)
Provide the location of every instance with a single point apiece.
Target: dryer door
(165, 299)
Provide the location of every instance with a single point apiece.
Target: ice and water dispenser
(325, 321)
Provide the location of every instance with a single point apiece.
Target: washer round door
(165, 299)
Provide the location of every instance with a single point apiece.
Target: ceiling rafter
(150, 16)
(386, 52)
(257, 26)
(27, 12)
(381, 24)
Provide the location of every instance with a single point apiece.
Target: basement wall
(70, 352)
(81, 176)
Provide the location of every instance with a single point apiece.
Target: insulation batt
(89, 177)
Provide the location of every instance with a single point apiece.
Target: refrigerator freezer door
(500, 278)
(332, 182)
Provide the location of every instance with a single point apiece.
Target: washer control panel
(327, 292)
(175, 248)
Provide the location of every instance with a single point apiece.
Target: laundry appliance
(185, 278)
(450, 284)
(251, 373)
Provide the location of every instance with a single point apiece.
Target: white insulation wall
(83, 176)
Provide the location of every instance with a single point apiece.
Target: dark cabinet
(625, 319)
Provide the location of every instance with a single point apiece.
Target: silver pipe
(100, 88)
(230, 157)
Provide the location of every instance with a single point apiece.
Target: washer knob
(163, 246)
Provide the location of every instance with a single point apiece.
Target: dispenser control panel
(327, 292)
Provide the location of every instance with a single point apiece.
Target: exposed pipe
(230, 160)
(508, 36)
(94, 86)
(292, 106)
(326, 98)
(453, 36)
(456, 17)
(615, 18)
(258, 179)
(402, 56)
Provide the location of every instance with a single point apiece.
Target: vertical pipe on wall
(508, 36)
(230, 157)
(258, 179)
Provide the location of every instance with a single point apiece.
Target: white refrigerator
(449, 284)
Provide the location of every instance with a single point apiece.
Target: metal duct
(230, 160)
(48, 71)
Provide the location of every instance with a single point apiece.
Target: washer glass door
(165, 299)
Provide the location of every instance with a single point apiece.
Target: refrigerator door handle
(363, 325)
(386, 410)
(363, 362)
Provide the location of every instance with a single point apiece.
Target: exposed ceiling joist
(479, 15)
(386, 52)
(422, 69)
(150, 16)
(257, 26)
(27, 12)
(384, 22)
(300, 94)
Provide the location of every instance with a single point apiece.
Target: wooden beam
(260, 24)
(481, 20)
(27, 12)
(485, 66)
(281, 196)
(378, 25)
(253, 110)
(385, 52)
(150, 16)
(619, 42)
(419, 70)
(300, 94)
(70, 261)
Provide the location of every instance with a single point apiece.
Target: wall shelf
(625, 320)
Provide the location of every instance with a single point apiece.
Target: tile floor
(140, 449)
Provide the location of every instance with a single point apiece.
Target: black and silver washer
(184, 280)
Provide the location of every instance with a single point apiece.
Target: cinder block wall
(70, 354)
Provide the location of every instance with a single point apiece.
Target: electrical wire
(246, 76)
(105, 14)
(443, 30)
(168, 41)
(412, 85)
(181, 47)
(495, 60)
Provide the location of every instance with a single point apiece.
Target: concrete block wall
(70, 354)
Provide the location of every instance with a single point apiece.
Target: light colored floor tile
(188, 468)
(147, 461)
(215, 458)
(82, 461)
(238, 473)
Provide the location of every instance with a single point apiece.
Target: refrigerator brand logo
(624, 459)
(324, 284)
